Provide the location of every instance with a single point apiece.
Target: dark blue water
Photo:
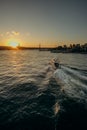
(35, 95)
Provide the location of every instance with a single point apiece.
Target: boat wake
(74, 81)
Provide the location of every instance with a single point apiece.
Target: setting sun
(14, 44)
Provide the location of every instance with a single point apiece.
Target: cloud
(15, 33)
(1, 35)
(10, 34)
(7, 33)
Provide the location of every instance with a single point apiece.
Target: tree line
(71, 48)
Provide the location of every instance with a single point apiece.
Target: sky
(46, 22)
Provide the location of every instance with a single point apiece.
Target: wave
(74, 81)
(54, 100)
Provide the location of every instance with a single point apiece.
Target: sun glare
(14, 44)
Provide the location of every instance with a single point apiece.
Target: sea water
(35, 95)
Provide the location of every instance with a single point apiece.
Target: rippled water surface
(35, 95)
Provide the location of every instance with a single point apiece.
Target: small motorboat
(55, 63)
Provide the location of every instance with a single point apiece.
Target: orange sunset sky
(46, 22)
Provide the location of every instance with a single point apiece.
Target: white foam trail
(74, 72)
(72, 80)
(59, 74)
